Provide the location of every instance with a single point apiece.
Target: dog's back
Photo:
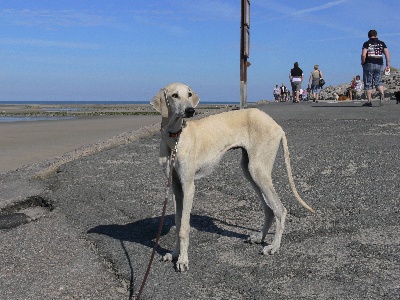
(235, 127)
(210, 137)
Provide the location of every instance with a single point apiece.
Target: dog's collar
(176, 134)
(173, 134)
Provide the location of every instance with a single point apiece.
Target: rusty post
(244, 50)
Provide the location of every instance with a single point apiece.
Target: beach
(67, 128)
(24, 143)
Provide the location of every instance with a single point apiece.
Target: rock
(391, 83)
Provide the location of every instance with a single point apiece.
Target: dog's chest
(197, 167)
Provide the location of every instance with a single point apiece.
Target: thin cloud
(51, 18)
(318, 8)
(281, 11)
(45, 43)
(175, 21)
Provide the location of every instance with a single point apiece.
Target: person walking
(296, 77)
(276, 93)
(283, 92)
(372, 62)
(315, 76)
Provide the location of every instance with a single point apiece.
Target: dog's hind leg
(268, 213)
(261, 175)
(279, 210)
(271, 200)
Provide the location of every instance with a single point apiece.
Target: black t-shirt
(374, 51)
(296, 72)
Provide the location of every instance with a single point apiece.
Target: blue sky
(126, 50)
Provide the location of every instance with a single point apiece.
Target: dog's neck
(171, 127)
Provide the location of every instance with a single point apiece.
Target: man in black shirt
(372, 62)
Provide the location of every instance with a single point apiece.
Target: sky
(127, 50)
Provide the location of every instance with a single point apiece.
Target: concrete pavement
(90, 225)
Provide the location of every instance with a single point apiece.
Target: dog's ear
(159, 103)
(195, 98)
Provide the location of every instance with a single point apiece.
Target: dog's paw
(171, 256)
(182, 264)
(167, 257)
(271, 249)
(254, 239)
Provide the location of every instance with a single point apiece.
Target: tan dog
(202, 143)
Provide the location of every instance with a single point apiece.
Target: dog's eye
(190, 94)
(175, 95)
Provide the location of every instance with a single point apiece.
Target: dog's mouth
(189, 112)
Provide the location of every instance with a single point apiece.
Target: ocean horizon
(12, 119)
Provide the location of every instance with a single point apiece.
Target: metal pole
(244, 50)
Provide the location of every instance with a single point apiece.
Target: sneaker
(381, 99)
(369, 104)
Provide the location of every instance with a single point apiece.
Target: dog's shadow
(145, 231)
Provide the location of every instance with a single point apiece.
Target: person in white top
(296, 77)
(356, 86)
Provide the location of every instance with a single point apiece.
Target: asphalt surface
(87, 230)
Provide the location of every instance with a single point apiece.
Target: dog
(397, 95)
(343, 98)
(200, 145)
(335, 97)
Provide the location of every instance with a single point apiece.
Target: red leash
(171, 166)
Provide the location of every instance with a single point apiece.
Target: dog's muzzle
(189, 112)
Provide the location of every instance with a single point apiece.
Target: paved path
(100, 214)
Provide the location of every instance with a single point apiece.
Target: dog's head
(175, 98)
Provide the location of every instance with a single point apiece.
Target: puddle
(27, 211)
(30, 119)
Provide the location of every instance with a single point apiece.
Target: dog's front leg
(178, 201)
(164, 158)
(188, 193)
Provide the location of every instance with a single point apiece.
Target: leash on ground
(171, 166)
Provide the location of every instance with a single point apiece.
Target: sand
(29, 142)
(24, 143)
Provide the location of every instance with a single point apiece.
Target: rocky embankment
(391, 82)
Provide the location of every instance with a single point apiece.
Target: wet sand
(27, 142)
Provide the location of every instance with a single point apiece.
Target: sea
(8, 119)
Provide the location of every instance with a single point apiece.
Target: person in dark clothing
(372, 62)
(296, 77)
(283, 93)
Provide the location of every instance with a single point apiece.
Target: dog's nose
(189, 112)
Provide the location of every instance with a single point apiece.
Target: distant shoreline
(23, 111)
(98, 102)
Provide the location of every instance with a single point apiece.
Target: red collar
(176, 134)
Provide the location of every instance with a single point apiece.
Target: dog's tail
(289, 172)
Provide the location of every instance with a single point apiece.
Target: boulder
(391, 83)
